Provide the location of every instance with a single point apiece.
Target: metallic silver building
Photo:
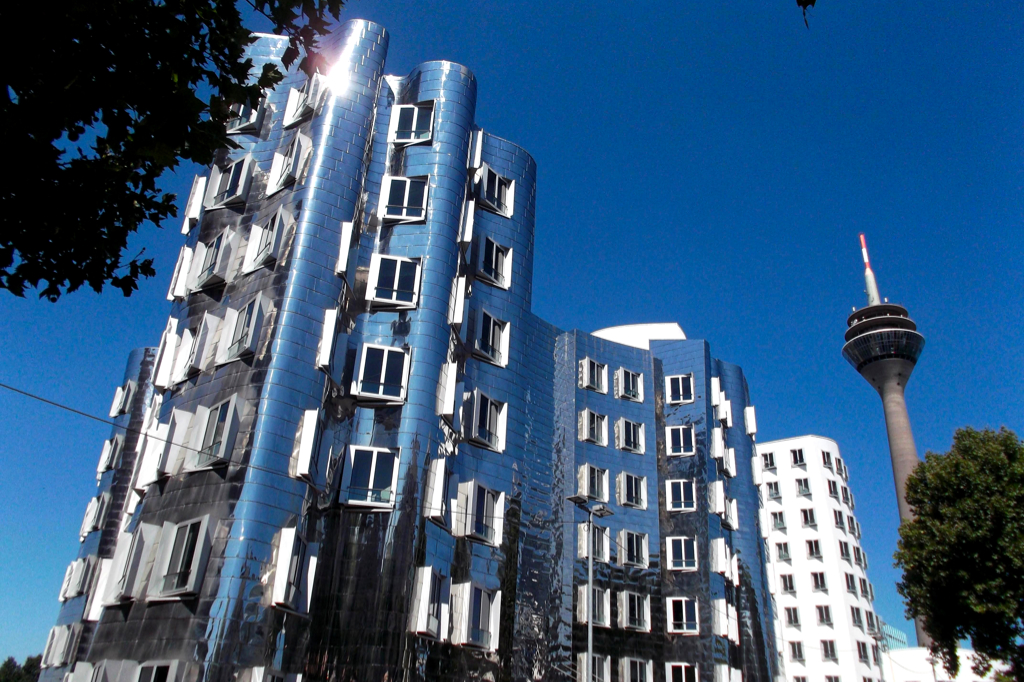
(883, 345)
(359, 451)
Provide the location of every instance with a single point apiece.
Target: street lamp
(600, 511)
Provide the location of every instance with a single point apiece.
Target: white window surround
(631, 490)
(110, 457)
(495, 192)
(382, 374)
(634, 611)
(305, 460)
(602, 605)
(630, 436)
(487, 423)
(404, 199)
(178, 288)
(491, 338)
(629, 385)
(430, 603)
(302, 102)
(214, 430)
(681, 615)
(295, 567)
(60, 645)
(229, 184)
(479, 513)
(181, 558)
(131, 554)
(632, 548)
(680, 672)
(679, 389)
(601, 668)
(593, 427)
(122, 399)
(592, 482)
(289, 167)
(681, 553)
(157, 671)
(450, 395)
(77, 578)
(241, 329)
(394, 282)
(265, 238)
(475, 616)
(495, 263)
(442, 483)
(246, 119)
(194, 205)
(328, 334)
(95, 514)
(411, 123)
(593, 375)
(371, 477)
(680, 495)
(211, 261)
(164, 361)
(346, 243)
(680, 441)
(602, 542)
(457, 302)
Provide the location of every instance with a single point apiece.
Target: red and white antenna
(869, 275)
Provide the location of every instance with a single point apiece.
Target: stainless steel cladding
(363, 442)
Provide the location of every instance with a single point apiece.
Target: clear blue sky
(709, 163)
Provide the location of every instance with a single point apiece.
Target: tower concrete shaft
(883, 345)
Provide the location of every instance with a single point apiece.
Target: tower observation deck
(883, 345)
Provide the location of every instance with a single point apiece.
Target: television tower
(883, 345)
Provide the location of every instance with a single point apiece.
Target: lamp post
(601, 511)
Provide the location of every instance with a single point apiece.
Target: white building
(818, 571)
(917, 665)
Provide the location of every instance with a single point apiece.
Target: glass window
(824, 615)
(796, 651)
(773, 490)
(183, 552)
(632, 436)
(488, 421)
(383, 372)
(635, 490)
(630, 385)
(680, 440)
(803, 486)
(682, 553)
(682, 672)
(480, 617)
(798, 457)
(213, 438)
(680, 389)
(768, 460)
(496, 261)
(828, 650)
(792, 616)
(819, 582)
(779, 520)
(407, 198)
(636, 611)
(682, 614)
(414, 122)
(782, 551)
(807, 516)
(635, 548)
(833, 489)
(394, 280)
(490, 341)
(787, 583)
(372, 476)
(681, 496)
(813, 549)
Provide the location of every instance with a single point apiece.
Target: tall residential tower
(883, 345)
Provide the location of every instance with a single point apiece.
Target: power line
(463, 514)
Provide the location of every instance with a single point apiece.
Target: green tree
(111, 98)
(963, 556)
(10, 671)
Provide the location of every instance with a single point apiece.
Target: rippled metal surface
(357, 624)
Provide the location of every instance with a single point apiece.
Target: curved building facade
(361, 441)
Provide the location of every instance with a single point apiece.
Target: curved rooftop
(641, 335)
